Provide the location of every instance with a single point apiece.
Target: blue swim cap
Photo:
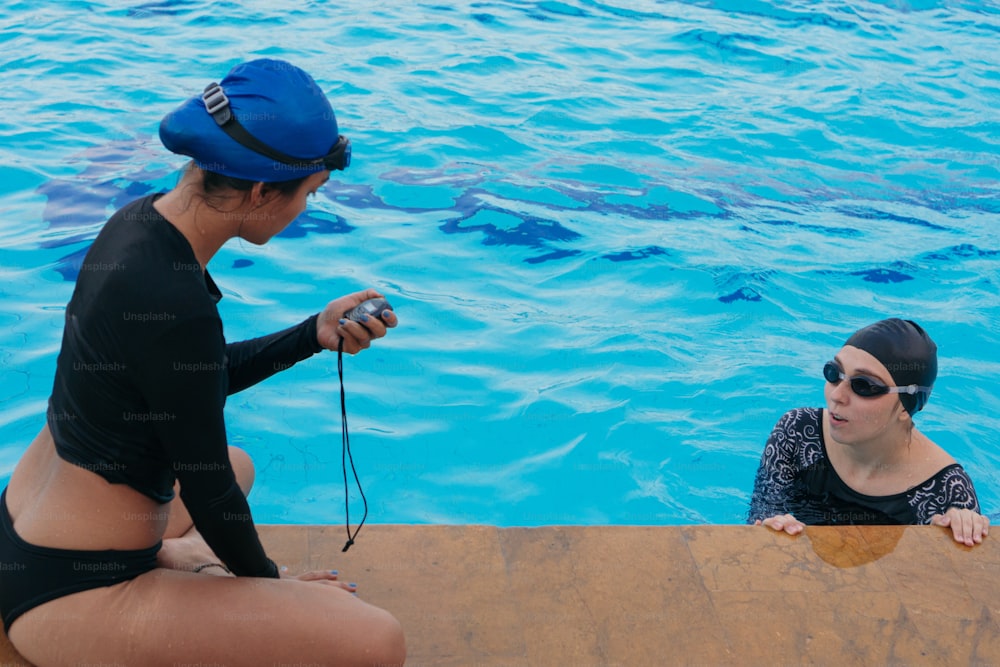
(278, 105)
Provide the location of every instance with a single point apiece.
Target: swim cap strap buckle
(217, 105)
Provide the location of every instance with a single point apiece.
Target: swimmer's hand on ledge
(331, 326)
(967, 527)
(326, 577)
(782, 522)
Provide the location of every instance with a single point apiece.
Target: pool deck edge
(665, 595)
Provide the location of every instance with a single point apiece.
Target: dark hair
(212, 182)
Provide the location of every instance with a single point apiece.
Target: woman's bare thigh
(167, 617)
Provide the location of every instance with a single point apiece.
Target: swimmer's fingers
(776, 522)
(983, 526)
(967, 527)
(783, 522)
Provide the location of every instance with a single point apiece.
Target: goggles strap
(217, 105)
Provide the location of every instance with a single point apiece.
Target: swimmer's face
(857, 419)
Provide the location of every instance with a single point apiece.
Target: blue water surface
(621, 237)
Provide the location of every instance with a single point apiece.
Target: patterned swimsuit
(795, 477)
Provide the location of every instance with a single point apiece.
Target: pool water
(622, 238)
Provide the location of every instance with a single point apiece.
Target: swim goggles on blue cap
(217, 104)
(867, 387)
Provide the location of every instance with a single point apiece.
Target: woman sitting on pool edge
(127, 516)
(861, 460)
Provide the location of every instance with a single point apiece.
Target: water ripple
(621, 237)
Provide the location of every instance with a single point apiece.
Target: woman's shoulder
(934, 453)
(932, 462)
(140, 270)
(799, 435)
(946, 482)
(949, 487)
(801, 418)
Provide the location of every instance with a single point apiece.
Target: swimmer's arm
(957, 507)
(775, 476)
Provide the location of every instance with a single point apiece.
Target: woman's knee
(386, 645)
(393, 642)
(360, 636)
(242, 468)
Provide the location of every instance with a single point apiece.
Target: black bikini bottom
(31, 575)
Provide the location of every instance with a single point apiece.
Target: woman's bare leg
(167, 617)
(170, 617)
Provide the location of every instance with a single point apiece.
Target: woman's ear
(904, 415)
(260, 194)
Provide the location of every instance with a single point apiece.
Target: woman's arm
(183, 380)
(251, 361)
(949, 500)
(776, 474)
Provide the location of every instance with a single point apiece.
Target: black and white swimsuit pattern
(795, 477)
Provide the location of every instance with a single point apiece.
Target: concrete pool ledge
(675, 595)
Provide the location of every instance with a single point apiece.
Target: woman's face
(278, 210)
(857, 419)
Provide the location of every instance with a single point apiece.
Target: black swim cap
(906, 351)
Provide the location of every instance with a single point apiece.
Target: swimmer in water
(861, 460)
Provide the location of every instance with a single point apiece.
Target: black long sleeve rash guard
(144, 371)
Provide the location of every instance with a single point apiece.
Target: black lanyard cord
(345, 455)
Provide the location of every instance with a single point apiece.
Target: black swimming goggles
(867, 387)
(217, 105)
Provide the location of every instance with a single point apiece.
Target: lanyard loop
(345, 455)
